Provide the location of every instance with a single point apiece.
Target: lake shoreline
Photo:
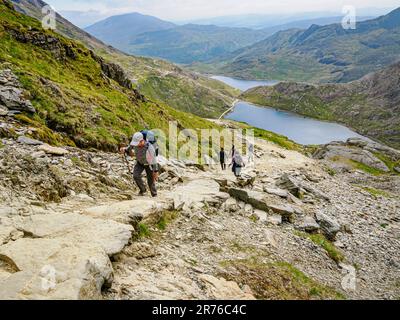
(313, 127)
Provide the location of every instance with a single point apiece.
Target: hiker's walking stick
(127, 163)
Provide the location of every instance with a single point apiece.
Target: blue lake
(243, 85)
(297, 128)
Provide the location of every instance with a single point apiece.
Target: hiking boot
(154, 195)
(142, 193)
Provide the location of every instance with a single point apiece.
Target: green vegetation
(166, 218)
(276, 280)
(157, 79)
(165, 82)
(1, 144)
(389, 162)
(377, 193)
(328, 246)
(75, 103)
(144, 231)
(278, 139)
(324, 243)
(367, 169)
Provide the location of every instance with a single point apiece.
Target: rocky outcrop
(61, 256)
(116, 73)
(357, 150)
(262, 202)
(330, 227)
(11, 95)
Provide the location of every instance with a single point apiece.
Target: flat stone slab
(129, 212)
(111, 236)
(54, 269)
(56, 151)
(29, 141)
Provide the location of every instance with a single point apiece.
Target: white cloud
(189, 9)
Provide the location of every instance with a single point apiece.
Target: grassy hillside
(159, 80)
(370, 105)
(318, 54)
(76, 102)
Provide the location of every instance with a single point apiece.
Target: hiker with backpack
(237, 163)
(146, 160)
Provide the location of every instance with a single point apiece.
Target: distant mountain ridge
(318, 54)
(149, 36)
(122, 29)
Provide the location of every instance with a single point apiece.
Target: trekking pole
(127, 164)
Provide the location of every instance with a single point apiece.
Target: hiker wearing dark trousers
(146, 160)
(222, 159)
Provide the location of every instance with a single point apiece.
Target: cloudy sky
(192, 9)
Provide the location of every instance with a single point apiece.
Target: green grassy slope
(159, 80)
(72, 96)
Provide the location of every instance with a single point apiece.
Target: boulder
(274, 219)
(286, 211)
(364, 156)
(54, 269)
(130, 212)
(231, 205)
(29, 141)
(220, 289)
(56, 151)
(289, 183)
(329, 226)
(260, 215)
(13, 99)
(3, 111)
(309, 225)
(246, 180)
(260, 201)
(191, 195)
(277, 192)
(74, 228)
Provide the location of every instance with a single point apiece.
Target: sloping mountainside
(159, 80)
(119, 30)
(370, 105)
(77, 98)
(320, 53)
(190, 43)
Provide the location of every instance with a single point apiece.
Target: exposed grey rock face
(289, 183)
(360, 150)
(374, 147)
(11, 94)
(309, 225)
(261, 201)
(333, 151)
(329, 226)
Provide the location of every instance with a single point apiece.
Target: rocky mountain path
(288, 229)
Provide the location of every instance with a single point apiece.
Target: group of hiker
(237, 162)
(144, 147)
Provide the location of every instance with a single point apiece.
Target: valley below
(303, 130)
(314, 216)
